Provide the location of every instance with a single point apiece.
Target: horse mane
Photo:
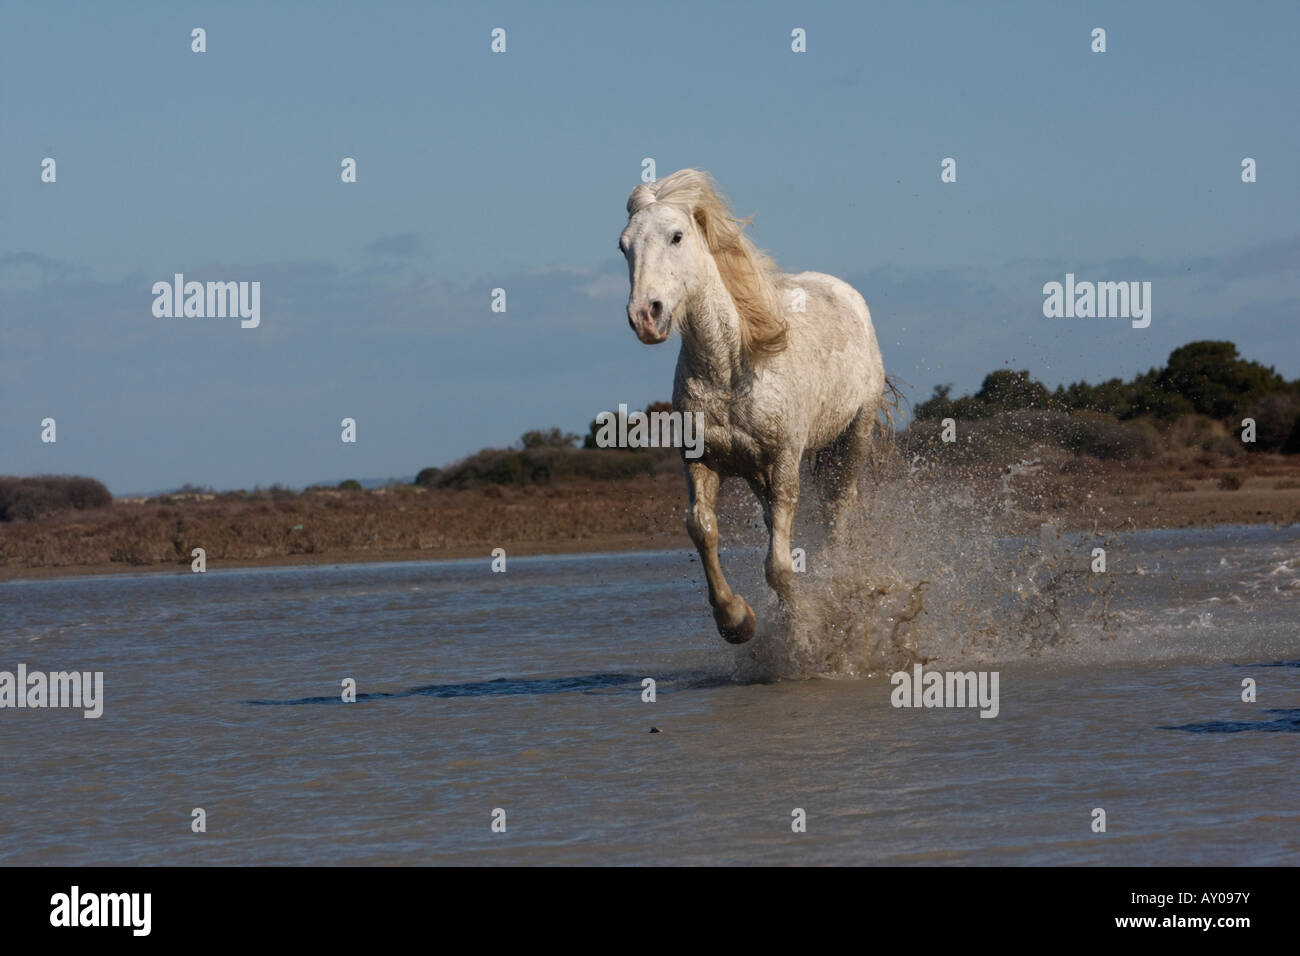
(748, 274)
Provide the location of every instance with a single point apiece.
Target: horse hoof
(743, 631)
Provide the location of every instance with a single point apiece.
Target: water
(523, 691)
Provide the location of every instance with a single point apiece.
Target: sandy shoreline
(633, 515)
(519, 549)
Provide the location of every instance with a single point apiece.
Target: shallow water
(523, 691)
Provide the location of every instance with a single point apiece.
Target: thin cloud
(403, 244)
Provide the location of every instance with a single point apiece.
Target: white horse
(780, 366)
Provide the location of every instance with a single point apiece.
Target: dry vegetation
(410, 522)
(404, 521)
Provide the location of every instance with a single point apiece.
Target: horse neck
(711, 333)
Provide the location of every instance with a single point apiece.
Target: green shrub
(541, 465)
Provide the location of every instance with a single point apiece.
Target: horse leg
(731, 612)
(849, 454)
(779, 495)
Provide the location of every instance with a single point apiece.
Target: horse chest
(732, 444)
(745, 424)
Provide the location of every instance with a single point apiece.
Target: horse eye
(677, 237)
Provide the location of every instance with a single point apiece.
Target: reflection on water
(1288, 722)
(501, 687)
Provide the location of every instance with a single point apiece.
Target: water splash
(934, 569)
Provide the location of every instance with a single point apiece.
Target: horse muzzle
(651, 322)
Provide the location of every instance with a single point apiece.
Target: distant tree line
(1204, 378)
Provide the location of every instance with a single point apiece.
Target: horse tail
(886, 424)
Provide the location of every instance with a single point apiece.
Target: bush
(1276, 417)
(1148, 395)
(547, 438)
(491, 466)
(350, 484)
(1007, 436)
(1193, 431)
(541, 465)
(1215, 380)
(428, 477)
(1001, 391)
(1101, 436)
(594, 428)
(1223, 446)
(26, 499)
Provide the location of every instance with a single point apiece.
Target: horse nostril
(656, 309)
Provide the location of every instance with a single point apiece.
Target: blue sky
(478, 171)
